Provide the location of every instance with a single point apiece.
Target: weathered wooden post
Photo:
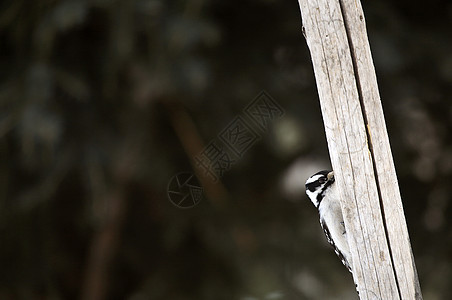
(382, 260)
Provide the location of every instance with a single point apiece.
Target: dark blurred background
(104, 102)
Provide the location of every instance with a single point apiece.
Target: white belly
(330, 211)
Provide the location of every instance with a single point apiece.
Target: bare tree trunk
(382, 260)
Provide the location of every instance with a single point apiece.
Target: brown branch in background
(103, 249)
(193, 145)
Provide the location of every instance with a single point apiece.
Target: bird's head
(317, 184)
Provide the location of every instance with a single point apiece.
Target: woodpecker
(322, 192)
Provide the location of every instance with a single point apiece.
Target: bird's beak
(330, 176)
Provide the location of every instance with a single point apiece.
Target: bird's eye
(322, 180)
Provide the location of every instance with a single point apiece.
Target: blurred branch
(193, 145)
(103, 249)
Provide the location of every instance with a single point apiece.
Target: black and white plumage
(322, 192)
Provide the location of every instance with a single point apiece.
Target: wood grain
(382, 260)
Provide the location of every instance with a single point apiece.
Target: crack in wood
(369, 139)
